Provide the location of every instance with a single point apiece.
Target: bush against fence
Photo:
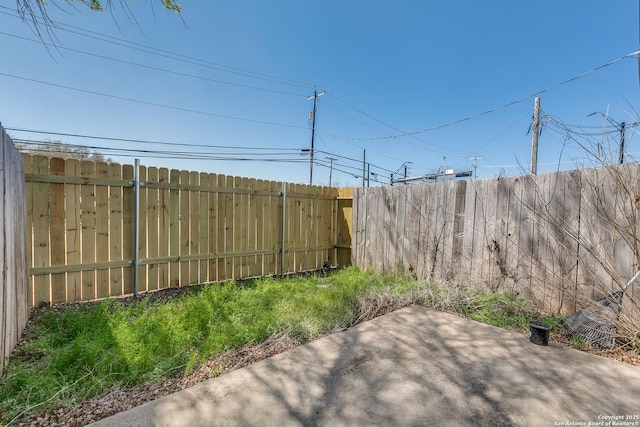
(193, 227)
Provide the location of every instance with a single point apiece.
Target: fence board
(222, 230)
(128, 223)
(116, 286)
(229, 213)
(143, 283)
(6, 319)
(260, 228)
(28, 194)
(164, 229)
(56, 198)
(41, 220)
(102, 230)
(153, 224)
(194, 220)
(213, 228)
(185, 229)
(203, 224)
(174, 228)
(88, 230)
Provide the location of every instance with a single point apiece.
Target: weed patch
(71, 354)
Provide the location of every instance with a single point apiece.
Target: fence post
(284, 200)
(136, 225)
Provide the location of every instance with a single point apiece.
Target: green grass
(74, 353)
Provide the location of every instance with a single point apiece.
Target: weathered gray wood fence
(560, 239)
(14, 310)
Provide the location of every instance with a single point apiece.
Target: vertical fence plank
(221, 240)
(239, 226)
(540, 248)
(230, 214)
(345, 233)
(174, 228)
(41, 230)
(28, 194)
(56, 200)
(213, 227)
(273, 218)
(164, 228)
(252, 261)
(203, 224)
(128, 225)
(194, 220)
(88, 234)
(115, 229)
(6, 318)
(185, 229)
(73, 230)
(153, 224)
(17, 255)
(102, 231)
(143, 270)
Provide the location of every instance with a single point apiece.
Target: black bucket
(539, 333)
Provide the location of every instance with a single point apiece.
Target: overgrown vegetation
(70, 354)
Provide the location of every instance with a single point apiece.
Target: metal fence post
(284, 200)
(136, 225)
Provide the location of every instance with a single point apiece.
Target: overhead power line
(49, 147)
(493, 110)
(162, 52)
(145, 141)
(150, 67)
(154, 104)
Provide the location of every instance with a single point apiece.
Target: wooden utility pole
(313, 130)
(364, 166)
(534, 136)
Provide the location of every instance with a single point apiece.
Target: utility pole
(313, 129)
(474, 165)
(622, 128)
(534, 136)
(331, 159)
(364, 166)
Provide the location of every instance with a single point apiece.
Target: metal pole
(331, 159)
(622, 128)
(534, 136)
(136, 225)
(284, 200)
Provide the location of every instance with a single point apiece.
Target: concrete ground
(415, 366)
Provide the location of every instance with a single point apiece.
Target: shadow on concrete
(412, 367)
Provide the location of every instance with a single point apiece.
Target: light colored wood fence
(194, 228)
(559, 239)
(14, 309)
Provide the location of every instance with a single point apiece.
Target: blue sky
(237, 74)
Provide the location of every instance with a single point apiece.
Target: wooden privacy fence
(193, 228)
(560, 239)
(14, 309)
